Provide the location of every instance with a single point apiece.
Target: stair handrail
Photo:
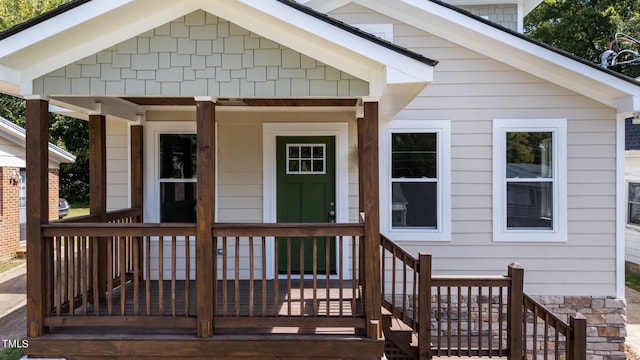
(420, 269)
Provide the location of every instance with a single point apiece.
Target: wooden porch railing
(140, 290)
(150, 274)
(488, 316)
(327, 294)
(150, 284)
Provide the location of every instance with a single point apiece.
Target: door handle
(332, 216)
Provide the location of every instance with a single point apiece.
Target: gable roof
(18, 136)
(517, 50)
(303, 29)
(85, 27)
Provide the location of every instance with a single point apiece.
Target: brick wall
(10, 209)
(9, 212)
(54, 194)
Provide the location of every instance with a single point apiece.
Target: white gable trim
(89, 28)
(502, 46)
(17, 135)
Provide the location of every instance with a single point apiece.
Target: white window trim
(443, 130)
(559, 129)
(153, 129)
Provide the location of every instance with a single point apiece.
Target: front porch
(110, 285)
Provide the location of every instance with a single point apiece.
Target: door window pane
(306, 159)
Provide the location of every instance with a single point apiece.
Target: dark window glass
(529, 205)
(178, 202)
(634, 203)
(177, 156)
(413, 155)
(414, 204)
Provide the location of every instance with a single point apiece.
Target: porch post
(97, 165)
(137, 167)
(361, 177)
(98, 190)
(205, 214)
(37, 158)
(371, 203)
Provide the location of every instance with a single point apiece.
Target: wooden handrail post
(515, 315)
(577, 342)
(424, 307)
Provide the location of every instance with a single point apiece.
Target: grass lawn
(78, 209)
(632, 281)
(11, 354)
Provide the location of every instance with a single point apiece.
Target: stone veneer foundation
(606, 322)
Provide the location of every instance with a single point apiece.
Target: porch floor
(283, 298)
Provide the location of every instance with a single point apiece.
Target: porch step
(399, 334)
(187, 346)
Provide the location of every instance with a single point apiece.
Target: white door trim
(269, 133)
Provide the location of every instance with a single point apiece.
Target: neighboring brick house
(12, 185)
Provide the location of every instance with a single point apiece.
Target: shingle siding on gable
(503, 14)
(200, 54)
(631, 135)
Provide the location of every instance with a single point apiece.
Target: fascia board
(325, 6)
(511, 50)
(65, 21)
(19, 138)
(9, 80)
(80, 42)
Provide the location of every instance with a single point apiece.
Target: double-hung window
(529, 180)
(415, 193)
(177, 178)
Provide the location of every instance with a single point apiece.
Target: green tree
(585, 28)
(68, 133)
(14, 12)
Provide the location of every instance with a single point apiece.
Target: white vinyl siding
(117, 141)
(471, 90)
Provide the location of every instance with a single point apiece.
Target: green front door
(306, 190)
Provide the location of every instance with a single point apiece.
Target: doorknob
(332, 216)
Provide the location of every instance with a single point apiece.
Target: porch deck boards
(327, 299)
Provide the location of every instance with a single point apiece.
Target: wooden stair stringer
(400, 334)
